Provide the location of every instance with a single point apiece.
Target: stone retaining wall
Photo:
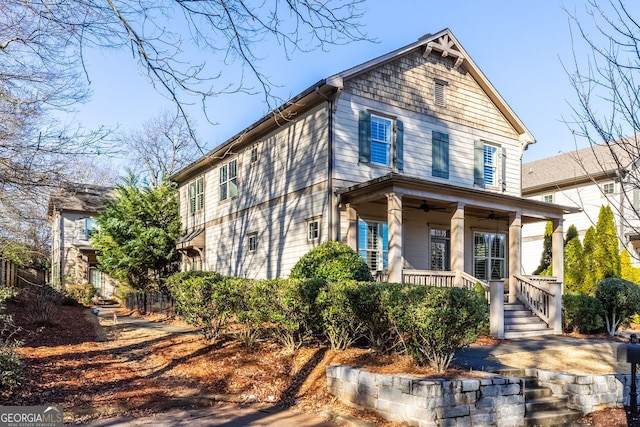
(490, 401)
(586, 393)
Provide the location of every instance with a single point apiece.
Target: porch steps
(541, 407)
(520, 322)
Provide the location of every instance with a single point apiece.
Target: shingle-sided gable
(408, 82)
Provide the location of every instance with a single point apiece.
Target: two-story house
(589, 178)
(72, 211)
(412, 158)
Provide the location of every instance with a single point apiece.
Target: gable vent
(439, 99)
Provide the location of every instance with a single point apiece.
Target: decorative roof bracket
(445, 46)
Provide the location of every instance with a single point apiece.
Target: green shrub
(443, 322)
(206, 300)
(381, 307)
(251, 311)
(10, 369)
(340, 322)
(81, 293)
(292, 310)
(582, 313)
(332, 262)
(620, 299)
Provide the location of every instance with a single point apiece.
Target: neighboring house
(588, 179)
(72, 212)
(412, 158)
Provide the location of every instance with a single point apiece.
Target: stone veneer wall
(586, 393)
(490, 401)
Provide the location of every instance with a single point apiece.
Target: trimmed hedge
(332, 262)
(428, 323)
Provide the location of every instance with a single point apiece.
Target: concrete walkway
(483, 357)
(223, 414)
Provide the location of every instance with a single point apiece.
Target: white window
(490, 165)
(489, 256)
(253, 242)
(547, 198)
(381, 134)
(313, 229)
(608, 188)
(373, 244)
(196, 195)
(439, 93)
(254, 154)
(228, 180)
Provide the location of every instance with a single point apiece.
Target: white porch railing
(443, 279)
(543, 296)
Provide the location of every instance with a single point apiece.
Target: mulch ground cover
(114, 369)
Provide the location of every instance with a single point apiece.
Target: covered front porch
(415, 231)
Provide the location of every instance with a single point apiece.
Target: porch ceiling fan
(493, 215)
(425, 207)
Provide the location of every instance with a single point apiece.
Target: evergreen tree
(588, 262)
(627, 270)
(600, 254)
(137, 235)
(572, 233)
(607, 254)
(544, 268)
(574, 264)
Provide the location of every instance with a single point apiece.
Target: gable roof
(442, 42)
(592, 163)
(80, 198)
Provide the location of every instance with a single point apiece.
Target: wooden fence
(150, 302)
(8, 273)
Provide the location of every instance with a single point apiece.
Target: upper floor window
(381, 130)
(608, 188)
(490, 165)
(228, 180)
(380, 140)
(547, 198)
(196, 195)
(254, 154)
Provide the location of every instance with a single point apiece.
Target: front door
(440, 244)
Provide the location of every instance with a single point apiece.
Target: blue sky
(519, 45)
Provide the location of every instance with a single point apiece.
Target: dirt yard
(118, 369)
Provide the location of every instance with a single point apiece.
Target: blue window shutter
(440, 154)
(478, 164)
(364, 137)
(399, 145)
(504, 169)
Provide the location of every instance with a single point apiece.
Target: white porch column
(457, 239)
(496, 309)
(515, 252)
(557, 250)
(394, 219)
(352, 227)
